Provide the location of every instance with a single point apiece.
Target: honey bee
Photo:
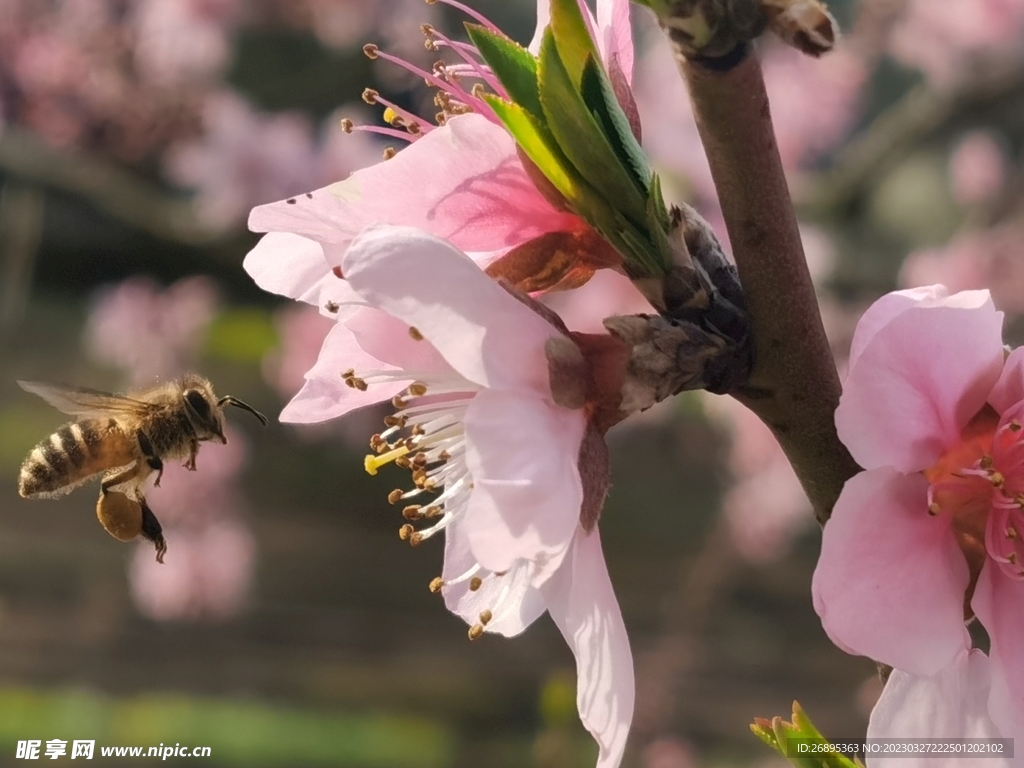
(126, 439)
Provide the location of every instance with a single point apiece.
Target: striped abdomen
(72, 455)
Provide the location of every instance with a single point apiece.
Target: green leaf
(777, 734)
(569, 29)
(534, 138)
(580, 137)
(513, 65)
(600, 97)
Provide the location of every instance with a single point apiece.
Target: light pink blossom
(932, 412)
(953, 703)
(467, 364)
(463, 181)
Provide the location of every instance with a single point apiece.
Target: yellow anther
(392, 118)
(934, 509)
(412, 512)
(370, 95)
(389, 152)
(485, 618)
(347, 125)
(415, 538)
(395, 496)
(475, 631)
(436, 585)
(372, 463)
(418, 389)
(996, 478)
(405, 532)
(475, 583)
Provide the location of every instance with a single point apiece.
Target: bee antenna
(229, 400)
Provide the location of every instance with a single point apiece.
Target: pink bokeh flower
(990, 258)
(519, 473)
(978, 167)
(943, 38)
(148, 331)
(246, 158)
(931, 532)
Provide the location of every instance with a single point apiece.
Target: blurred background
(290, 626)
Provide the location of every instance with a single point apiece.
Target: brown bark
(794, 387)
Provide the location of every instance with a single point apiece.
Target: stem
(794, 387)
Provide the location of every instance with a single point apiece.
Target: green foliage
(780, 735)
(241, 335)
(237, 732)
(566, 118)
(514, 66)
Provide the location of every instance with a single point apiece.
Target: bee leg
(121, 477)
(152, 530)
(152, 459)
(190, 465)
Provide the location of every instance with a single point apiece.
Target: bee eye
(198, 403)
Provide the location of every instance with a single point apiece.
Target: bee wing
(81, 401)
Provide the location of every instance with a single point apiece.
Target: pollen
(372, 463)
(436, 585)
(412, 512)
(347, 125)
(476, 631)
(395, 496)
(485, 618)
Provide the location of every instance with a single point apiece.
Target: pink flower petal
(616, 35)
(522, 453)
(890, 580)
(294, 266)
(324, 395)
(919, 379)
(951, 704)
(388, 340)
(582, 603)
(999, 604)
(543, 19)
(520, 603)
(882, 312)
(1009, 390)
(483, 332)
(463, 182)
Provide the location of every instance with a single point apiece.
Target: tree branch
(794, 387)
(117, 192)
